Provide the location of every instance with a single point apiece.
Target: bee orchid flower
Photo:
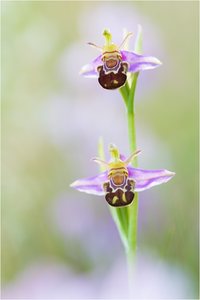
(120, 181)
(112, 65)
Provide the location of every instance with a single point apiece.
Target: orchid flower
(112, 65)
(120, 181)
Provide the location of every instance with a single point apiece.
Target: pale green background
(51, 122)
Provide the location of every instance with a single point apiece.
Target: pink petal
(139, 62)
(90, 70)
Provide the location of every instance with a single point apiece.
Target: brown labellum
(112, 80)
(119, 196)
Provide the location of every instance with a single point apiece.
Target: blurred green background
(52, 119)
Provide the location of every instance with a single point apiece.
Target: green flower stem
(133, 209)
(128, 95)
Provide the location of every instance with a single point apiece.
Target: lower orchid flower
(120, 181)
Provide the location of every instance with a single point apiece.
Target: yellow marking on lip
(115, 199)
(124, 198)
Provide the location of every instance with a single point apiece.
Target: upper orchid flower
(120, 181)
(112, 65)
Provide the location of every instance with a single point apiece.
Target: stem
(133, 209)
(128, 94)
(131, 130)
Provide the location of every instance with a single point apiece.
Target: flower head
(112, 65)
(120, 181)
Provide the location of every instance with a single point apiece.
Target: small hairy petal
(145, 179)
(90, 70)
(139, 62)
(91, 185)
